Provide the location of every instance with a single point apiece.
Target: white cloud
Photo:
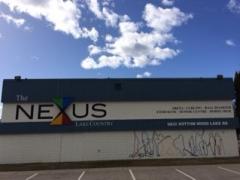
(168, 2)
(108, 38)
(88, 63)
(10, 19)
(110, 17)
(163, 20)
(1, 36)
(230, 42)
(144, 75)
(128, 27)
(136, 48)
(64, 16)
(103, 61)
(94, 6)
(28, 28)
(234, 6)
(107, 3)
(102, 11)
(92, 34)
(92, 49)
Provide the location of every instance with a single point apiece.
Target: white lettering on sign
(21, 97)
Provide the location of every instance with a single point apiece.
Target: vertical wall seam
(60, 148)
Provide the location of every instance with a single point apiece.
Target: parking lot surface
(194, 172)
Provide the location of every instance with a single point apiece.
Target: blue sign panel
(120, 125)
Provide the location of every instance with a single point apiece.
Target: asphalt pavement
(190, 172)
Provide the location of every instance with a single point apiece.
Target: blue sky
(119, 39)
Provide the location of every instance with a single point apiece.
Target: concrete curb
(117, 163)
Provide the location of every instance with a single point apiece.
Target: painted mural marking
(149, 144)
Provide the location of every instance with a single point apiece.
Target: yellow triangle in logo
(58, 120)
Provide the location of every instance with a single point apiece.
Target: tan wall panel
(29, 148)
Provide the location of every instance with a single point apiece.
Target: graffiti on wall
(150, 144)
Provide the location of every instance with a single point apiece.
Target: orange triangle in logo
(57, 120)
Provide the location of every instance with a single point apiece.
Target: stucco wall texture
(67, 147)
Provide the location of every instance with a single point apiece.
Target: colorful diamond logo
(62, 104)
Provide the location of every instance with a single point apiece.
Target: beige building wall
(35, 148)
(115, 145)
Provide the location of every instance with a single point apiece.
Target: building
(64, 120)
